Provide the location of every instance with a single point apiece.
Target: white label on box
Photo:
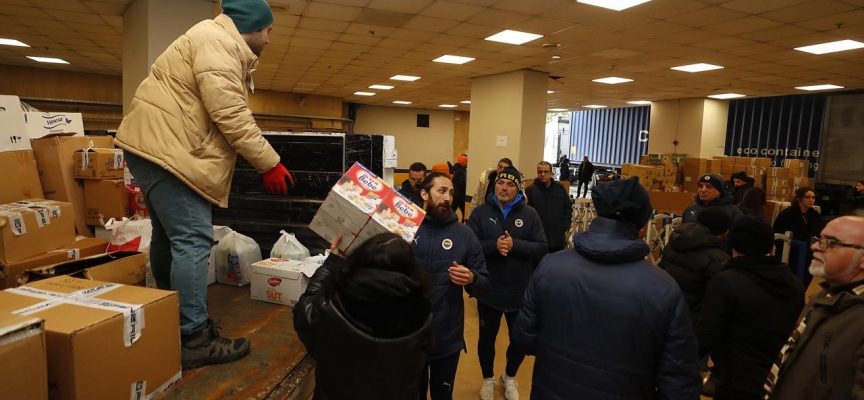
(13, 132)
(139, 390)
(16, 222)
(42, 218)
(118, 158)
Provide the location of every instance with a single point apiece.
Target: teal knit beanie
(248, 15)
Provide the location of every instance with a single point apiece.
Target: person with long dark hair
(753, 203)
(367, 322)
(804, 222)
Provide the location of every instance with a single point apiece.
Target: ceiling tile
(402, 6)
(761, 6)
(451, 10)
(809, 10)
(319, 24)
(707, 16)
(331, 11)
(743, 25)
(429, 24)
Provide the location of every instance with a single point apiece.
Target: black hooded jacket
(362, 349)
(749, 310)
(408, 191)
(692, 257)
(554, 207)
(724, 202)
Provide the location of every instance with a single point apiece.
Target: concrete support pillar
(699, 126)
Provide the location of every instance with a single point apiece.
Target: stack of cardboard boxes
(105, 194)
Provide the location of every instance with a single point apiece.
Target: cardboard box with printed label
(105, 340)
(83, 247)
(54, 160)
(105, 199)
(350, 205)
(280, 281)
(124, 267)
(13, 133)
(41, 124)
(395, 214)
(20, 176)
(98, 163)
(24, 370)
(33, 227)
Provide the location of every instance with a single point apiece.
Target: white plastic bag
(235, 255)
(288, 247)
(132, 234)
(319, 259)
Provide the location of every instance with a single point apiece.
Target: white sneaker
(510, 392)
(487, 391)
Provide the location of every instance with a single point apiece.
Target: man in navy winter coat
(603, 322)
(511, 235)
(450, 253)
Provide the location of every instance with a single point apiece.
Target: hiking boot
(510, 392)
(207, 347)
(487, 391)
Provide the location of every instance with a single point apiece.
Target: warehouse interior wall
(714, 120)
(430, 145)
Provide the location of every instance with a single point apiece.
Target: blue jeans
(182, 238)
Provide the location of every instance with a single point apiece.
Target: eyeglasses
(825, 243)
(539, 172)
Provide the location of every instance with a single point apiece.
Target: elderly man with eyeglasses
(824, 357)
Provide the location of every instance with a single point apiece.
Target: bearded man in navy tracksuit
(511, 235)
(451, 255)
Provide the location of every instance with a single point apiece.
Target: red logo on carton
(406, 208)
(274, 281)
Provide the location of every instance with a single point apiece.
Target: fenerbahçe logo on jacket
(518, 223)
(447, 244)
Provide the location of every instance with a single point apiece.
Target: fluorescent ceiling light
(465, 102)
(558, 109)
(556, 57)
(725, 96)
(819, 87)
(612, 80)
(407, 78)
(364, 93)
(49, 60)
(697, 67)
(513, 37)
(381, 87)
(616, 5)
(840, 45)
(594, 106)
(550, 91)
(453, 59)
(448, 105)
(12, 42)
(401, 102)
(639, 102)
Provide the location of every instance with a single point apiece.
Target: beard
(441, 211)
(817, 268)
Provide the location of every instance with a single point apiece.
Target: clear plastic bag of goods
(288, 247)
(235, 255)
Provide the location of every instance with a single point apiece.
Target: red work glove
(275, 180)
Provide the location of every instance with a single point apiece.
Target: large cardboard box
(670, 202)
(13, 133)
(54, 160)
(105, 199)
(24, 370)
(99, 344)
(20, 176)
(124, 267)
(97, 163)
(41, 124)
(83, 247)
(33, 227)
(280, 281)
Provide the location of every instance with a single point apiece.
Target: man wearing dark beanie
(185, 127)
(711, 193)
(602, 321)
(748, 311)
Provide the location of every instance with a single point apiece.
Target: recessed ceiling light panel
(447, 106)
(697, 67)
(513, 37)
(612, 80)
(558, 109)
(465, 102)
(616, 5)
(401, 102)
(448, 59)
(381, 87)
(819, 87)
(639, 102)
(406, 78)
(594, 106)
(831, 47)
(364, 93)
(725, 96)
(12, 42)
(49, 60)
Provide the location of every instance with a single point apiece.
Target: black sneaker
(207, 347)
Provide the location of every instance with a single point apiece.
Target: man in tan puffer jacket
(187, 122)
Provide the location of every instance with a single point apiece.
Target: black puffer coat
(508, 276)
(692, 257)
(724, 202)
(555, 209)
(437, 246)
(362, 354)
(606, 324)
